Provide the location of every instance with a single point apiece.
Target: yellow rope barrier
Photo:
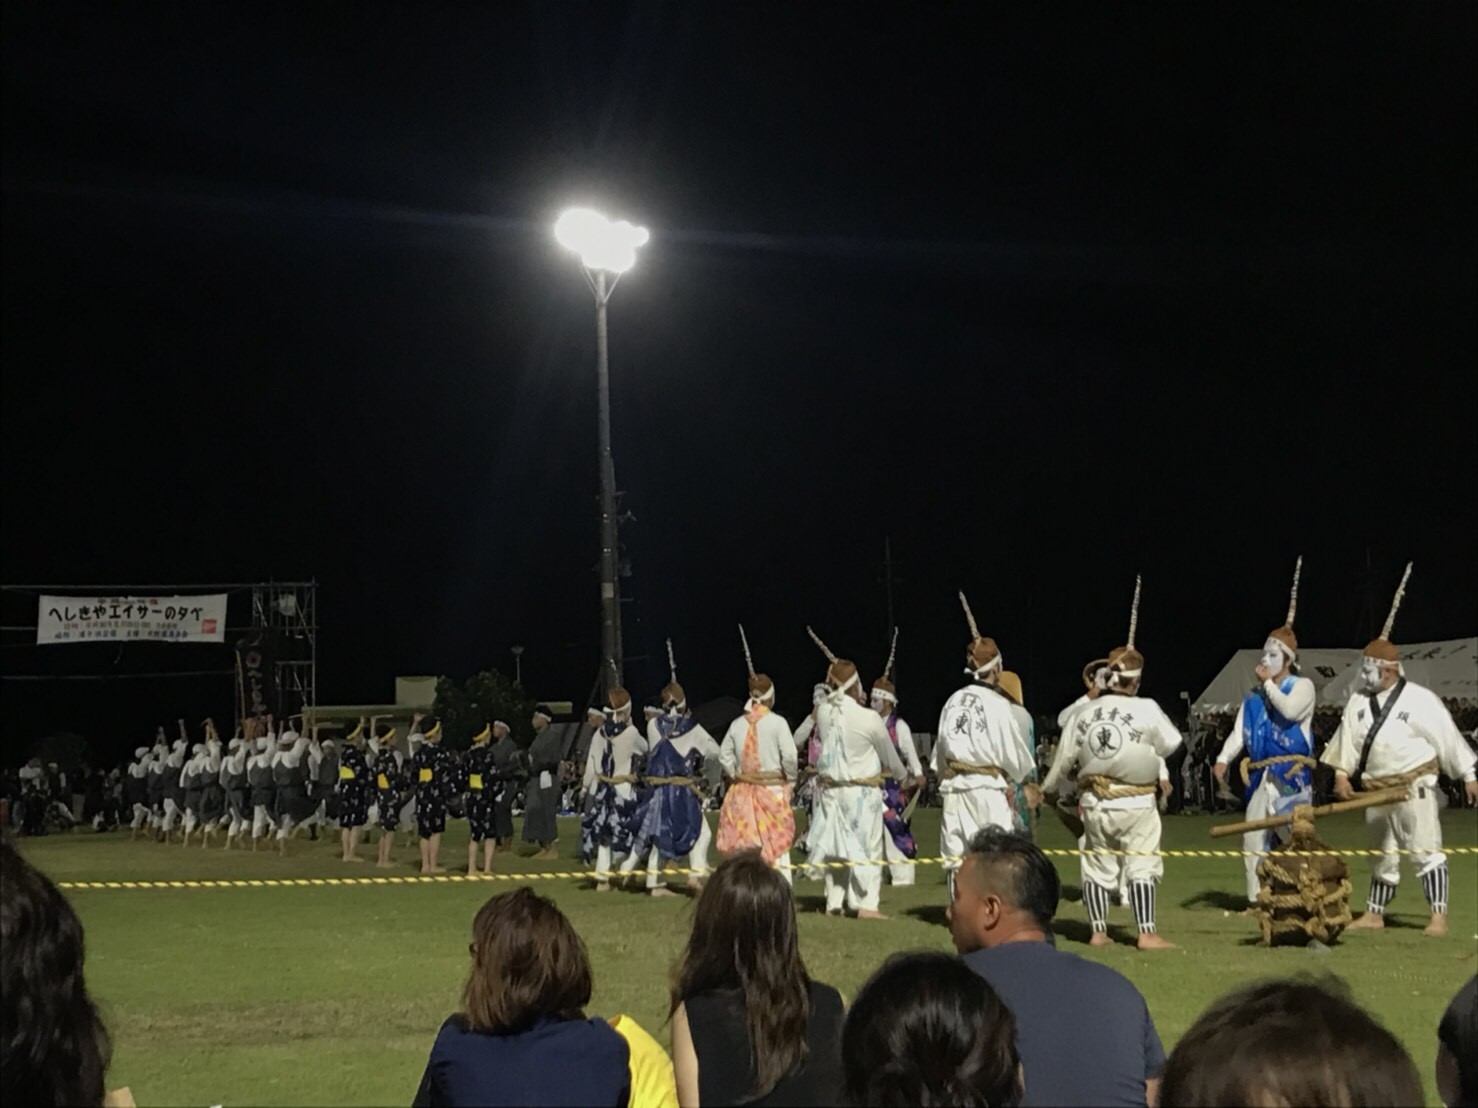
(588, 874)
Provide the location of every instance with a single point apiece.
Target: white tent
(1450, 669)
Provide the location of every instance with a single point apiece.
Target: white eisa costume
(1274, 728)
(847, 827)
(1395, 734)
(1116, 745)
(979, 753)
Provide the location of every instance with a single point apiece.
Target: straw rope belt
(1399, 780)
(764, 777)
(1111, 788)
(1248, 768)
(953, 768)
(681, 782)
(858, 783)
(618, 779)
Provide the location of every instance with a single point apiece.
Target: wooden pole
(1365, 800)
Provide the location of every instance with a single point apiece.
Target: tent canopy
(1449, 669)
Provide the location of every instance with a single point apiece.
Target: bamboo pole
(1365, 800)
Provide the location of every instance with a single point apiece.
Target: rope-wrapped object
(1302, 897)
(684, 782)
(763, 777)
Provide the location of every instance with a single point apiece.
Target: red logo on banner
(208, 627)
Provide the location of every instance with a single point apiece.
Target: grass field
(332, 994)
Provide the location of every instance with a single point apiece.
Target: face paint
(1370, 675)
(1273, 660)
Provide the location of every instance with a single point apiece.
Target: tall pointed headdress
(1126, 662)
(1284, 636)
(883, 688)
(673, 695)
(981, 654)
(761, 688)
(1381, 648)
(840, 673)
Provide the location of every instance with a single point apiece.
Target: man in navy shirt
(1083, 1031)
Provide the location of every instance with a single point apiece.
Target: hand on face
(1263, 672)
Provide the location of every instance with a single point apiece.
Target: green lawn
(332, 995)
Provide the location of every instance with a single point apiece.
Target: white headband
(1281, 645)
(884, 694)
(768, 698)
(983, 670)
(547, 717)
(835, 696)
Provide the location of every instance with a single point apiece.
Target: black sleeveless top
(726, 1062)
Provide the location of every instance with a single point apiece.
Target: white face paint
(1371, 674)
(1273, 660)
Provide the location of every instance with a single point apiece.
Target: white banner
(69, 619)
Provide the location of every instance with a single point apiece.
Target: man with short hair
(1083, 1031)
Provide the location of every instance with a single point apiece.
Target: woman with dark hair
(53, 1046)
(748, 1024)
(927, 1031)
(522, 1037)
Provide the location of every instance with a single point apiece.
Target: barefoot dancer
(1397, 734)
(1118, 744)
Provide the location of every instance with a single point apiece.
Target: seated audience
(1457, 1049)
(1284, 1043)
(927, 1031)
(1083, 1030)
(523, 1025)
(748, 1023)
(53, 1047)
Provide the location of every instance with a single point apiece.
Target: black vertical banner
(257, 658)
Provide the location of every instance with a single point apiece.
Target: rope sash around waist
(763, 777)
(617, 779)
(1398, 780)
(1111, 788)
(872, 782)
(681, 782)
(1291, 760)
(953, 768)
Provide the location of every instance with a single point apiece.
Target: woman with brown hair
(748, 1024)
(522, 1037)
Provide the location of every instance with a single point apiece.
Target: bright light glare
(601, 243)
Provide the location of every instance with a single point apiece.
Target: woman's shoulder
(825, 1001)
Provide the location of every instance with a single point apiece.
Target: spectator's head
(528, 965)
(1006, 890)
(925, 1030)
(1457, 1049)
(55, 1048)
(1288, 1042)
(744, 938)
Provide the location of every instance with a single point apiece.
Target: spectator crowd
(1008, 1020)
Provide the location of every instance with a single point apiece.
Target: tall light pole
(518, 666)
(607, 249)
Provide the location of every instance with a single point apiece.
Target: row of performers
(1108, 776)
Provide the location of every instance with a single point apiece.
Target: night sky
(1049, 297)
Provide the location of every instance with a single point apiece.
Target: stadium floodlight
(604, 245)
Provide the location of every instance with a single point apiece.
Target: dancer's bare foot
(1370, 921)
(869, 913)
(384, 865)
(602, 886)
(833, 911)
(1100, 938)
(662, 890)
(1249, 911)
(354, 858)
(1148, 940)
(1438, 926)
(436, 869)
